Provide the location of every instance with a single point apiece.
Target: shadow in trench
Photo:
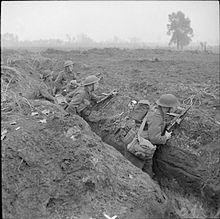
(167, 180)
(115, 141)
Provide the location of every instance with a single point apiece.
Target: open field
(48, 175)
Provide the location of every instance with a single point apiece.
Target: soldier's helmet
(68, 63)
(167, 100)
(92, 79)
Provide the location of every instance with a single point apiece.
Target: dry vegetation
(39, 159)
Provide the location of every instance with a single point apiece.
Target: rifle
(105, 99)
(178, 119)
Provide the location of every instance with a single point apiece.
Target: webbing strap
(141, 127)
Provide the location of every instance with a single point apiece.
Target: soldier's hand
(168, 135)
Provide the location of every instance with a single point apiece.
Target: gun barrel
(181, 117)
(105, 98)
(185, 111)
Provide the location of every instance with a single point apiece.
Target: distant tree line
(12, 40)
(179, 27)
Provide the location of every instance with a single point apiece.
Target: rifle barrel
(105, 98)
(181, 116)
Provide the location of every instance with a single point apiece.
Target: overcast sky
(102, 20)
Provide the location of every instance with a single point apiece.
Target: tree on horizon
(179, 27)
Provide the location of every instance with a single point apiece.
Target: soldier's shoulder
(62, 72)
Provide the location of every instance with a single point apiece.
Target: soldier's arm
(70, 95)
(59, 79)
(71, 86)
(35, 94)
(154, 131)
(44, 93)
(77, 98)
(95, 98)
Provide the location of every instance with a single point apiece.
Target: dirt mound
(191, 157)
(54, 166)
(16, 86)
(61, 169)
(198, 175)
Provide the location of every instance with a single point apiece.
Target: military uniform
(154, 127)
(49, 84)
(156, 124)
(63, 79)
(79, 101)
(41, 91)
(71, 86)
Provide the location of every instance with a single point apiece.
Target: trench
(184, 200)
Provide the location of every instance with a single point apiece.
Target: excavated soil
(55, 166)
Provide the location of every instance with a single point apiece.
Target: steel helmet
(92, 79)
(68, 63)
(167, 100)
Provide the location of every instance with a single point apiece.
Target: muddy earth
(59, 166)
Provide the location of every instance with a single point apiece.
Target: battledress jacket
(41, 91)
(155, 126)
(80, 98)
(64, 78)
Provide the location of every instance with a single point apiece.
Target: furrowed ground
(55, 167)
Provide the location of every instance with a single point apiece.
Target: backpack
(138, 114)
(140, 110)
(139, 146)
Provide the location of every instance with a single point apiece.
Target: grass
(187, 205)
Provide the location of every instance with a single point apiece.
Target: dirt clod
(62, 169)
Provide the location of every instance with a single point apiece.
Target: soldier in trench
(44, 90)
(154, 130)
(65, 77)
(83, 98)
